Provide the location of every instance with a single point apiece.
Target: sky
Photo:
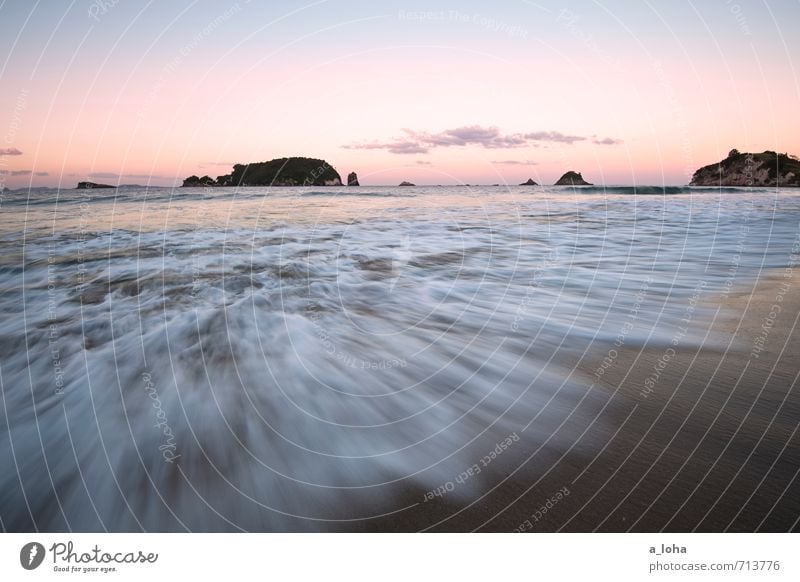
(626, 92)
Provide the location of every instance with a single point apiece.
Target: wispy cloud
(514, 163)
(553, 137)
(114, 176)
(420, 142)
(226, 164)
(395, 147)
(15, 172)
(10, 152)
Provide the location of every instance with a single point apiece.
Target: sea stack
(530, 182)
(572, 179)
(406, 184)
(92, 186)
(352, 179)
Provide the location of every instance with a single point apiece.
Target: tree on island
(277, 172)
(195, 182)
(750, 169)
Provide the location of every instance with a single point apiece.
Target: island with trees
(278, 172)
(747, 169)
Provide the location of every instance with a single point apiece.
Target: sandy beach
(711, 447)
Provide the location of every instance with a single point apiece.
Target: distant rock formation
(352, 179)
(195, 182)
(277, 172)
(406, 184)
(572, 179)
(92, 186)
(745, 169)
(530, 182)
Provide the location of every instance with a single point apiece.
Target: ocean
(310, 359)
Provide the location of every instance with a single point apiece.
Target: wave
(660, 190)
(360, 194)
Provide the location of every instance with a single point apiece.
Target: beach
(712, 448)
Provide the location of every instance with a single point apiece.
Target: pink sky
(164, 100)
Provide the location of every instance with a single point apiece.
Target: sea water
(311, 359)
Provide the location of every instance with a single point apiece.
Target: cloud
(423, 163)
(488, 137)
(226, 164)
(607, 141)
(15, 172)
(114, 176)
(514, 163)
(553, 137)
(420, 142)
(10, 152)
(395, 147)
(41, 173)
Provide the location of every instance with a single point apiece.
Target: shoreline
(712, 449)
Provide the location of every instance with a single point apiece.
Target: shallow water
(307, 359)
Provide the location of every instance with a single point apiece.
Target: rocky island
(530, 182)
(572, 179)
(352, 179)
(277, 172)
(404, 184)
(92, 186)
(746, 169)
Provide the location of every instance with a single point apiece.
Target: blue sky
(162, 88)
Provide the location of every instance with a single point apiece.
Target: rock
(195, 182)
(406, 184)
(277, 172)
(767, 169)
(530, 182)
(352, 179)
(92, 186)
(572, 179)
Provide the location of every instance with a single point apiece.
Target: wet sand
(712, 445)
